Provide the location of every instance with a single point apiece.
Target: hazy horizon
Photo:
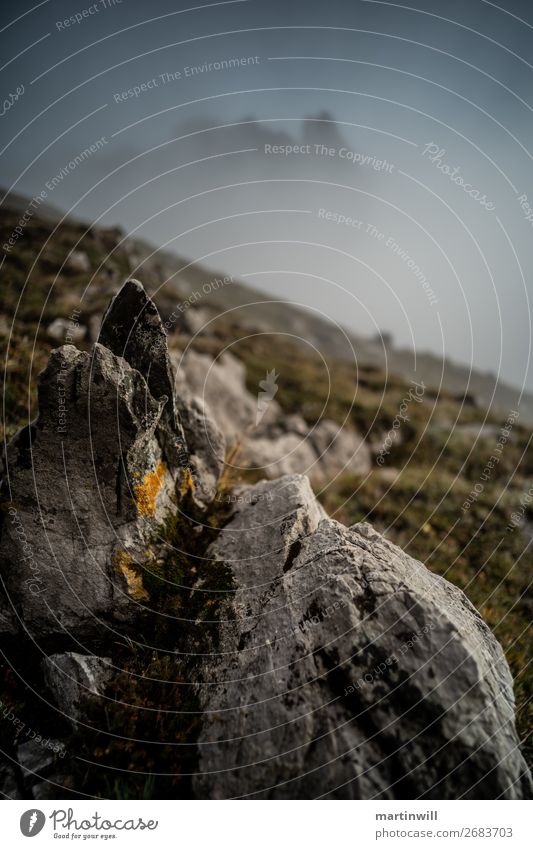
(418, 99)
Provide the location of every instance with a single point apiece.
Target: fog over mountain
(188, 102)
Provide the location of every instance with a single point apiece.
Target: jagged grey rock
(36, 760)
(206, 445)
(345, 669)
(72, 678)
(281, 454)
(338, 450)
(281, 444)
(221, 384)
(132, 328)
(91, 479)
(88, 486)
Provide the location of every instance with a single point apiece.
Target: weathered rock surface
(89, 484)
(346, 669)
(221, 384)
(206, 446)
(92, 478)
(9, 787)
(72, 678)
(280, 444)
(60, 328)
(328, 664)
(132, 328)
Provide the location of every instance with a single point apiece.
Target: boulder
(345, 669)
(221, 384)
(8, 624)
(61, 328)
(89, 484)
(72, 678)
(279, 443)
(77, 262)
(338, 450)
(36, 759)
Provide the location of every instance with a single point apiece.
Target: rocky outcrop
(132, 328)
(90, 481)
(346, 669)
(279, 444)
(292, 657)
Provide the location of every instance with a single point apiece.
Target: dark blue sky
(389, 80)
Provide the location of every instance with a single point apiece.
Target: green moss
(152, 717)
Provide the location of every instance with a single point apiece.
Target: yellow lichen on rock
(186, 484)
(147, 490)
(122, 561)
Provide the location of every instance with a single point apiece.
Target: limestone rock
(78, 262)
(339, 450)
(36, 760)
(345, 669)
(281, 444)
(221, 384)
(132, 328)
(72, 678)
(206, 446)
(60, 328)
(88, 485)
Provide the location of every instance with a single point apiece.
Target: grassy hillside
(440, 462)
